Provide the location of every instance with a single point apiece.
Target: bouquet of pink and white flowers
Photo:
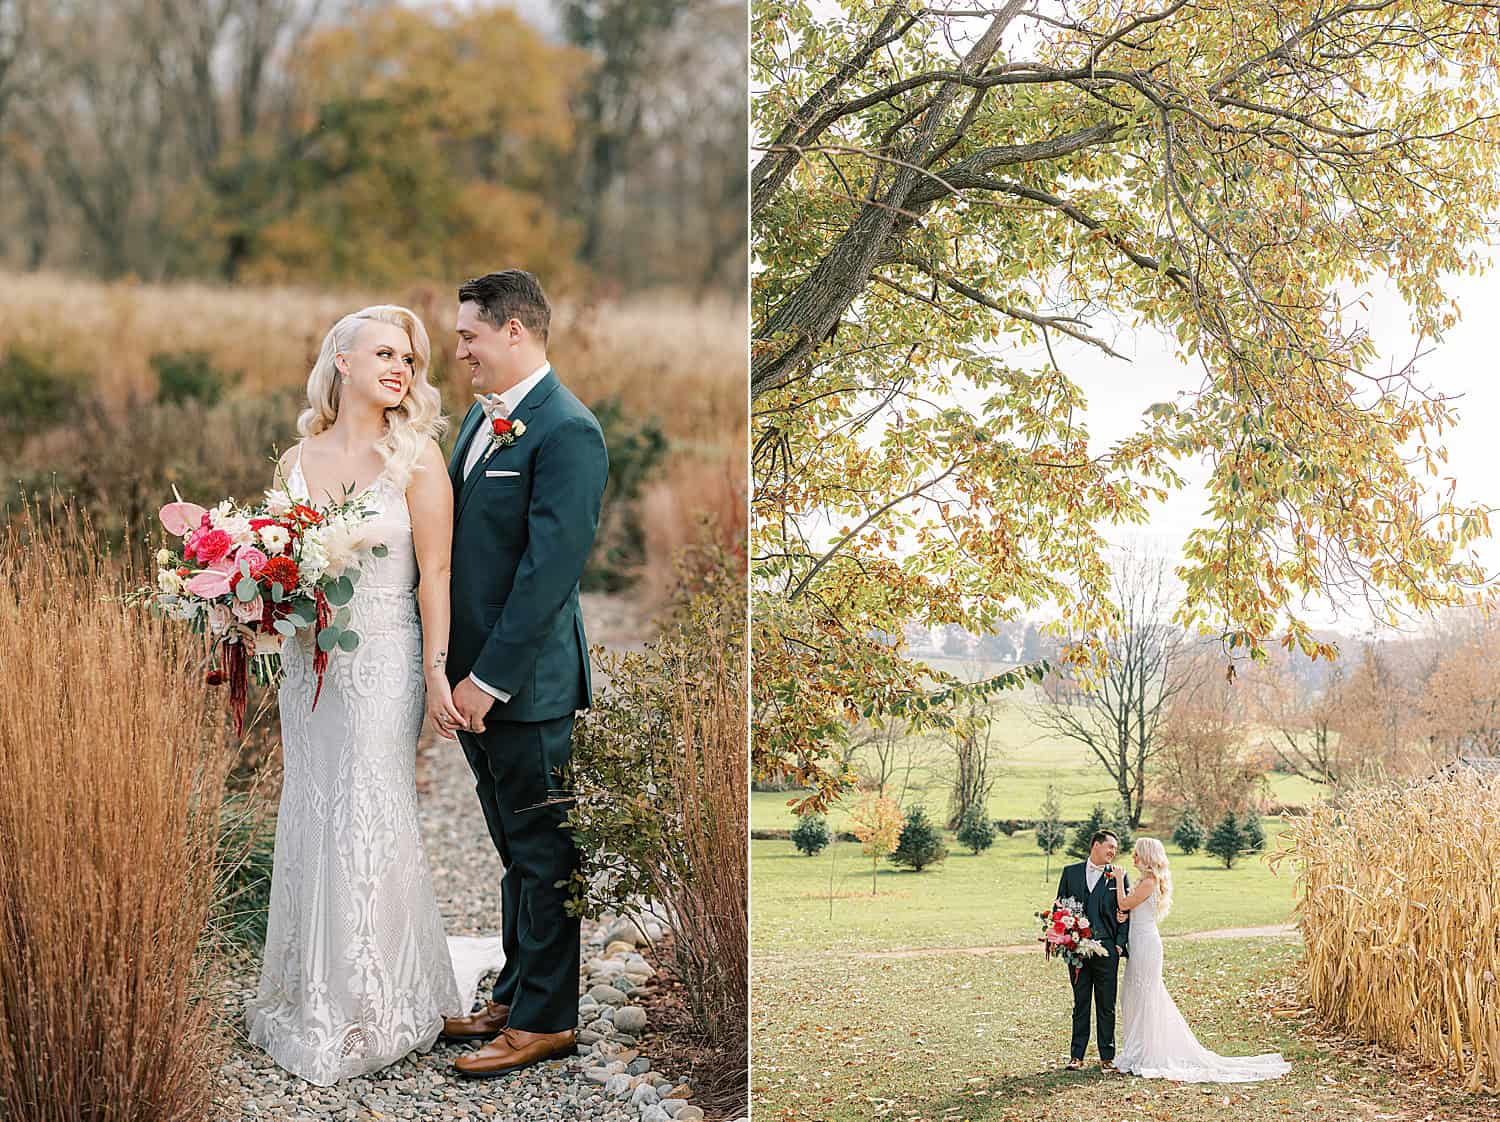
(1066, 934)
(249, 576)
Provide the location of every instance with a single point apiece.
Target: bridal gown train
(357, 972)
(1155, 1040)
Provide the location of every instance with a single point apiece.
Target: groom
(1098, 979)
(528, 472)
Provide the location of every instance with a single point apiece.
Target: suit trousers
(517, 767)
(1097, 983)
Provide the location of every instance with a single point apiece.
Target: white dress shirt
(479, 443)
(1092, 873)
(511, 398)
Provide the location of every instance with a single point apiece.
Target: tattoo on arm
(440, 660)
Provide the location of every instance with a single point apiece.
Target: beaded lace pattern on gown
(357, 972)
(1155, 1040)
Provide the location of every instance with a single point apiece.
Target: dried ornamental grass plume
(1398, 913)
(114, 762)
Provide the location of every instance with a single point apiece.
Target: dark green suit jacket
(523, 526)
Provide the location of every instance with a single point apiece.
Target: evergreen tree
(1050, 833)
(1254, 833)
(975, 830)
(811, 835)
(1227, 841)
(1188, 836)
(1083, 835)
(921, 842)
(1119, 822)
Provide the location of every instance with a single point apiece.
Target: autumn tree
(1379, 722)
(877, 822)
(407, 158)
(1300, 722)
(931, 182)
(1461, 699)
(1205, 763)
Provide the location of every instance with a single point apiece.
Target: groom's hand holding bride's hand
(473, 705)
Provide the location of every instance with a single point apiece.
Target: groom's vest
(1098, 905)
(523, 527)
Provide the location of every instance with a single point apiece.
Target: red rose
(501, 426)
(214, 678)
(282, 571)
(212, 546)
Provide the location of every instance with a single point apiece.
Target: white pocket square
(500, 474)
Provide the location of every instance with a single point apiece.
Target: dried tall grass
(710, 907)
(113, 772)
(660, 789)
(1399, 907)
(682, 363)
(672, 513)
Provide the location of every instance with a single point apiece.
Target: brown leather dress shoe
(486, 1024)
(1108, 1067)
(514, 1049)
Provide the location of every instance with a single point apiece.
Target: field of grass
(681, 363)
(1028, 760)
(969, 901)
(983, 1039)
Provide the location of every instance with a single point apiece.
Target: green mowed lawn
(969, 901)
(1027, 760)
(848, 1039)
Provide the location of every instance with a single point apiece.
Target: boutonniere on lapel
(505, 432)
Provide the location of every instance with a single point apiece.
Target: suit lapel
(461, 445)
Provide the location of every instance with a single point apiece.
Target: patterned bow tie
(492, 404)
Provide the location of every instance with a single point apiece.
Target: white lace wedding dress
(1155, 1041)
(357, 972)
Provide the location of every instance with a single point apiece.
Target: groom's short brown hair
(507, 295)
(1101, 835)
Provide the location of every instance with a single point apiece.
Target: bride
(357, 972)
(1155, 1040)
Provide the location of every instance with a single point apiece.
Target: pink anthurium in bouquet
(249, 577)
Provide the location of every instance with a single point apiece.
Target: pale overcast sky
(1463, 363)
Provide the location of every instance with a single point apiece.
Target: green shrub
(921, 842)
(976, 832)
(811, 834)
(1254, 832)
(33, 395)
(189, 376)
(1227, 840)
(1188, 836)
(636, 450)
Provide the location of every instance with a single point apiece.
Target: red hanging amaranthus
(237, 666)
(320, 656)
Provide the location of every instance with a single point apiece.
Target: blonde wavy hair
(1151, 857)
(417, 418)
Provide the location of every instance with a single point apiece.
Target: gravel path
(610, 1081)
